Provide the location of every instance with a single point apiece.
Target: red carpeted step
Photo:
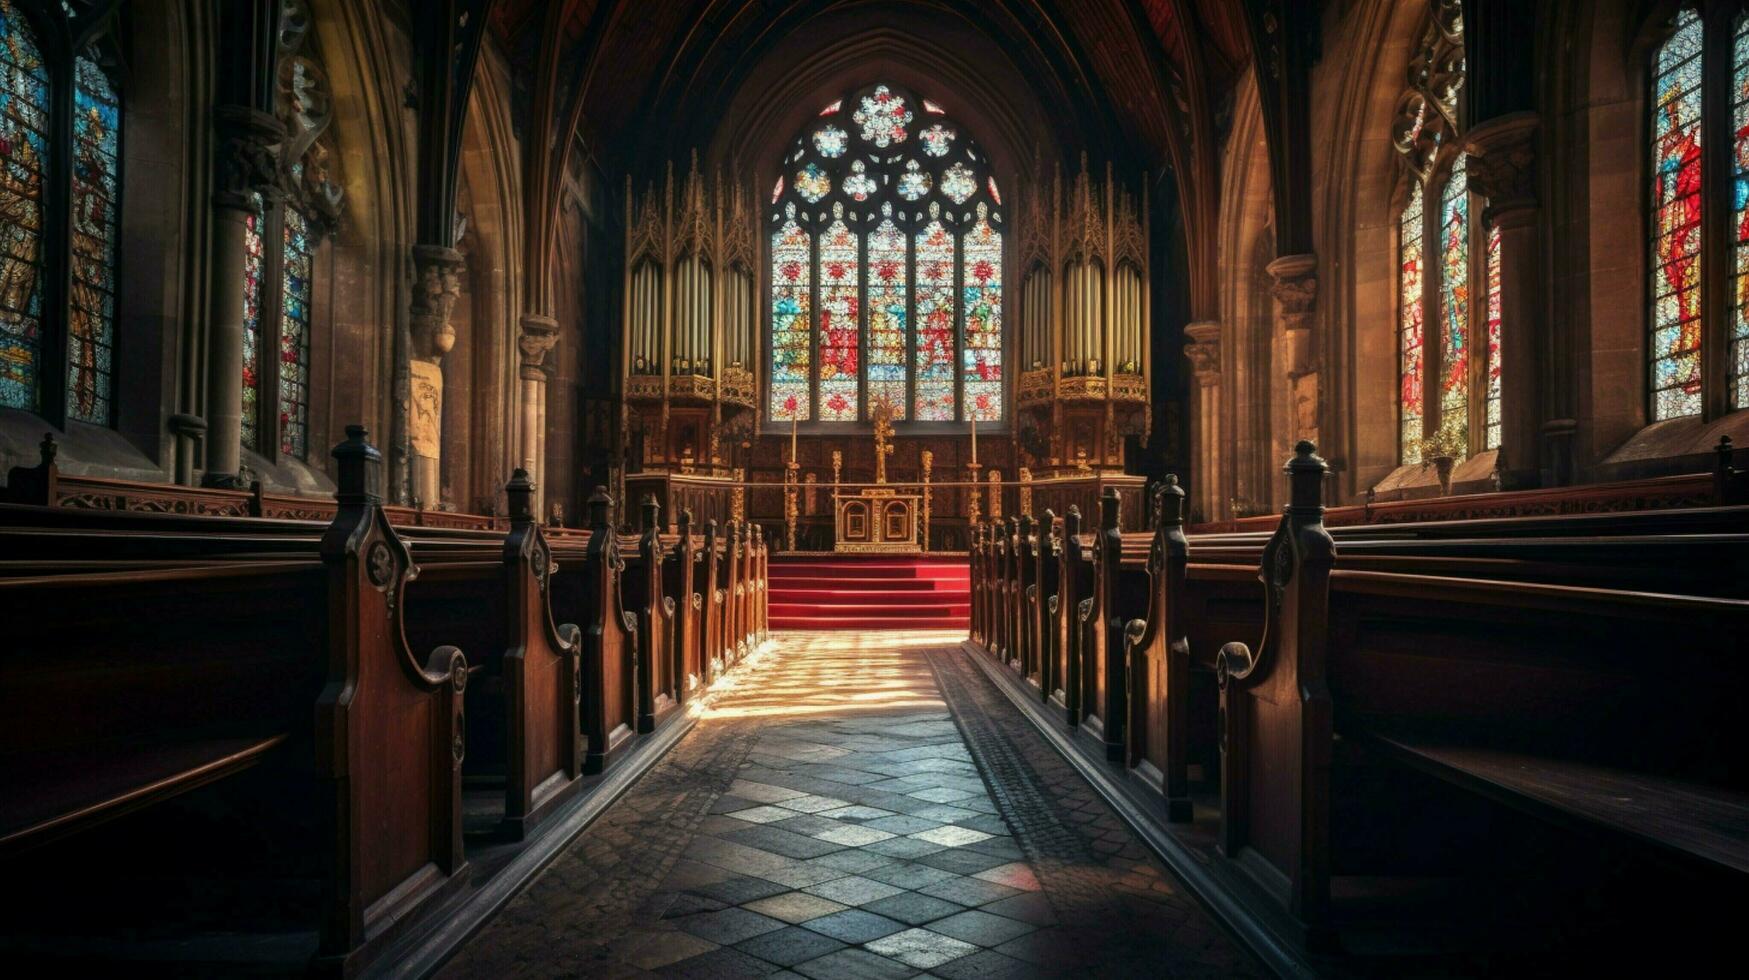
(875, 592)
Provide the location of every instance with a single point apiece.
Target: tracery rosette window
(885, 267)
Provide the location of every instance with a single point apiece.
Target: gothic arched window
(31, 167)
(1444, 259)
(280, 244)
(1697, 339)
(886, 267)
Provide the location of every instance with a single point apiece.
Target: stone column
(1502, 168)
(1203, 348)
(539, 335)
(1295, 289)
(247, 161)
(436, 284)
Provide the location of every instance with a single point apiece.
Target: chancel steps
(842, 592)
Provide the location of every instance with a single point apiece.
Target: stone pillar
(1502, 168)
(539, 335)
(436, 283)
(1295, 289)
(249, 143)
(1203, 348)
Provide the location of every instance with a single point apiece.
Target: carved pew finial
(360, 479)
(599, 503)
(519, 497)
(1169, 503)
(652, 512)
(1305, 474)
(1109, 501)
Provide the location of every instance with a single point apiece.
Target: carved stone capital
(1502, 163)
(1295, 290)
(246, 159)
(1202, 345)
(538, 337)
(436, 284)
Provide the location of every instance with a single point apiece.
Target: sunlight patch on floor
(820, 673)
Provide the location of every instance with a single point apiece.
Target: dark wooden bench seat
(1704, 823)
(74, 789)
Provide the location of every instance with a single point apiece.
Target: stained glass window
(1410, 324)
(887, 298)
(791, 335)
(1738, 363)
(96, 202)
(294, 336)
(253, 270)
(935, 323)
(886, 236)
(840, 319)
(983, 305)
(1676, 229)
(24, 101)
(1454, 301)
(1491, 416)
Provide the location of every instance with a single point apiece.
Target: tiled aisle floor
(828, 818)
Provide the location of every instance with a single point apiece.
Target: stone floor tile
(854, 836)
(941, 794)
(909, 874)
(951, 836)
(794, 907)
(856, 813)
(782, 842)
(789, 946)
(1031, 907)
(812, 804)
(982, 928)
(852, 860)
(762, 814)
(855, 964)
(969, 891)
(961, 860)
(807, 824)
(720, 964)
(912, 908)
(728, 926)
(921, 948)
(1014, 875)
(944, 812)
(986, 965)
(761, 792)
(660, 948)
(740, 890)
(903, 824)
(853, 890)
(904, 847)
(854, 926)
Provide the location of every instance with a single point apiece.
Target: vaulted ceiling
(643, 81)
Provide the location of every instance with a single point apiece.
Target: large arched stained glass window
(886, 267)
(24, 125)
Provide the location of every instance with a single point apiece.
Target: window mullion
(815, 313)
(271, 326)
(959, 321)
(865, 410)
(910, 238)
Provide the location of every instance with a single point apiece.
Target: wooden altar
(877, 520)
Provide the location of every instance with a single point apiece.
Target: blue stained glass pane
(294, 337)
(91, 319)
(1676, 235)
(252, 273)
(24, 100)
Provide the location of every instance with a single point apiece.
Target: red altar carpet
(842, 592)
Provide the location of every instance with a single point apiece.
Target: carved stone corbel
(1203, 349)
(1295, 289)
(1502, 163)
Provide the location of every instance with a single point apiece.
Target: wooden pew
(491, 594)
(711, 657)
(96, 728)
(644, 584)
(588, 592)
(1542, 698)
(679, 572)
(1047, 574)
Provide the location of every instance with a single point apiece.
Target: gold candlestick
(792, 440)
(974, 440)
